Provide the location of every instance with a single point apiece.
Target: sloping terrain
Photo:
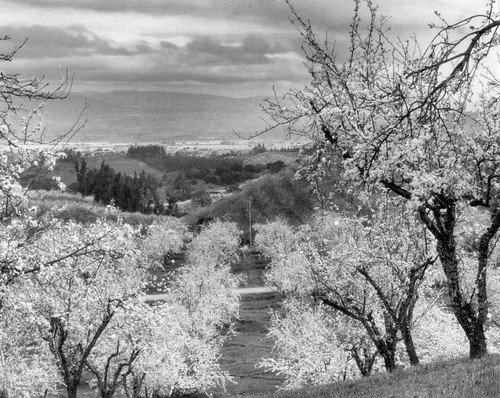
(454, 378)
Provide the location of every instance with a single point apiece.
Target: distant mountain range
(138, 116)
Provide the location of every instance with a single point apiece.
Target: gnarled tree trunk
(471, 320)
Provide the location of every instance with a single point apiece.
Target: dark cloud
(228, 58)
(330, 16)
(181, 65)
(43, 41)
(255, 45)
(253, 50)
(142, 48)
(251, 9)
(223, 53)
(274, 13)
(166, 45)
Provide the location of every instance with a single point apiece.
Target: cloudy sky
(229, 47)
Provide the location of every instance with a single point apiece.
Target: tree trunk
(409, 345)
(389, 360)
(472, 325)
(72, 390)
(364, 360)
(477, 342)
(106, 393)
(386, 345)
(468, 319)
(471, 321)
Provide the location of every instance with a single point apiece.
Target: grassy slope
(457, 378)
(118, 161)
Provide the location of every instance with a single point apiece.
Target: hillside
(137, 116)
(454, 378)
(122, 164)
(65, 168)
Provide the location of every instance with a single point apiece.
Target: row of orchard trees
(421, 123)
(72, 296)
(81, 307)
(363, 294)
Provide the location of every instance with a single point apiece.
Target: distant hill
(137, 116)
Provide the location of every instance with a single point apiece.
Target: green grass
(457, 378)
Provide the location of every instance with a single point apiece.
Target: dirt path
(242, 353)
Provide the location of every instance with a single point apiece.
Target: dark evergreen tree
(103, 190)
(81, 176)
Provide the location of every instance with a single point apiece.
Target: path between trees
(242, 353)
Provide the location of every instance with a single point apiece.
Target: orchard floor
(242, 353)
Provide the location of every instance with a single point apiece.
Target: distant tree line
(144, 151)
(135, 194)
(292, 148)
(261, 148)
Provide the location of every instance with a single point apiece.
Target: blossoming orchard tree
(172, 358)
(21, 148)
(370, 270)
(310, 348)
(137, 328)
(179, 343)
(72, 302)
(206, 285)
(315, 346)
(27, 368)
(151, 350)
(119, 347)
(414, 121)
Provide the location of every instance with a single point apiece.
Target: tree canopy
(396, 123)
